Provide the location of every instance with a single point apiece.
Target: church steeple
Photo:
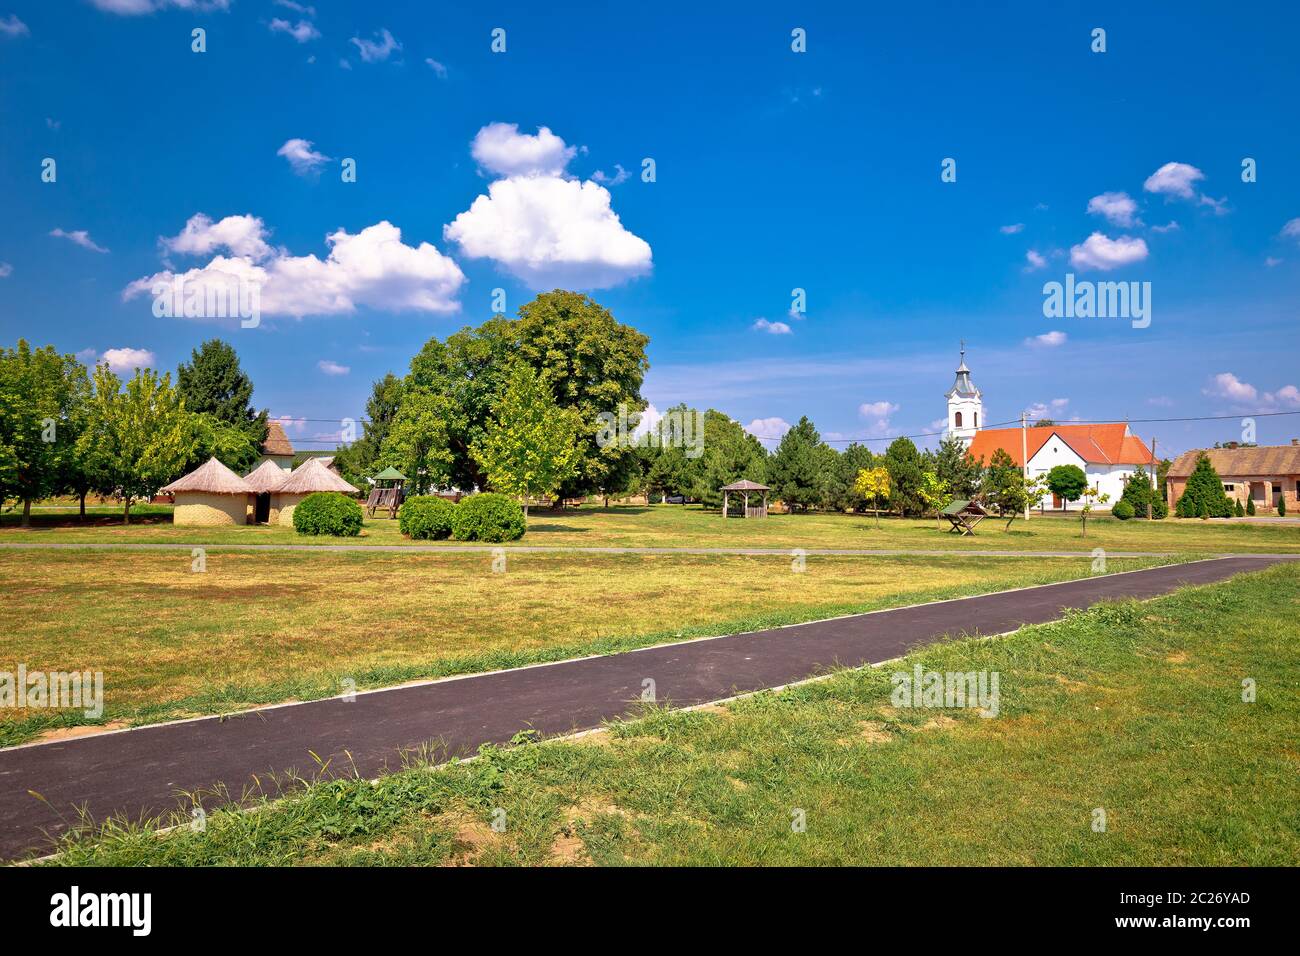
(965, 405)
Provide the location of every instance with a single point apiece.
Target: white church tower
(965, 409)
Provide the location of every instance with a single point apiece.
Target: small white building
(1108, 453)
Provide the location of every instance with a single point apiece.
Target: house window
(976, 417)
(1229, 488)
(957, 418)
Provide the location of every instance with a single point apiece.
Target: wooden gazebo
(387, 492)
(745, 487)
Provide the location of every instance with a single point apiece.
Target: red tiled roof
(1107, 444)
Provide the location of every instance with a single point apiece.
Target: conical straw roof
(268, 476)
(211, 477)
(311, 476)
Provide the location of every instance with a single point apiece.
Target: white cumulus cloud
(1047, 340)
(128, 360)
(372, 268)
(332, 368)
(302, 158)
(1174, 179)
(500, 148)
(1117, 208)
(1035, 260)
(549, 231)
(772, 328)
(1227, 385)
(768, 427)
(1101, 252)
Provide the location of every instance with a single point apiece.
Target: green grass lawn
(263, 627)
(1132, 708)
(675, 526)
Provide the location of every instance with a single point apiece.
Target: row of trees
(67, 430)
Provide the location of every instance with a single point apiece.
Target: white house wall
(1107, 479)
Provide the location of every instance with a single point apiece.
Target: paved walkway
(135, 772)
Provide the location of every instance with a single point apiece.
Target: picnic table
(964, 515)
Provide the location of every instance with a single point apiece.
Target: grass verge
(1132, 708)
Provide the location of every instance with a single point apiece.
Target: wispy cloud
(332, 368)
(377, 50)
(772, 328)
(302, 31)
(302, 158)
(1048, 340)
(79, 236)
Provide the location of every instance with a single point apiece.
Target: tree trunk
(525, 509)
(27, 513)
(607, 502)
(126, 511)
(83, 506)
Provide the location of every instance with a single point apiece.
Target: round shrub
(1122, 510)
(426, 516)
(487, 517)
(328, 512)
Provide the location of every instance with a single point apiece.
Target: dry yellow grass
(264, 627)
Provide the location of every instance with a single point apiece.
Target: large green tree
(139, 436)
(595, 364)
(730, 454)
(798, 470)
(841, 491)
(40, 395)
(955, 468)
(212, 383)
(360, 459)
(529, 447)
(906, 468)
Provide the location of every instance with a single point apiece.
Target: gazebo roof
(745, 485)
(311, 476)
(268, 476)
(211, 477)
(390, 474)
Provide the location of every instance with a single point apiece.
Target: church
(1108, 453)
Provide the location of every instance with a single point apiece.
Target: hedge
(328, 512)
(426, 516)
(487, 517)
(1122, 510)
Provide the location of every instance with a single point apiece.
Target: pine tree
(214, 384)
(799, 475)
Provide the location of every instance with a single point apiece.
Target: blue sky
(775, 170)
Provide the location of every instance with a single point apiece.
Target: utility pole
(1155, 485)
(1024, 458)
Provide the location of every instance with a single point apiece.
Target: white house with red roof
(1108, 453)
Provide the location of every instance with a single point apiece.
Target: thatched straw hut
(265, 480)
(211, 494)
(308, 478)
(277, 447)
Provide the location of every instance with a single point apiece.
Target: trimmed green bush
(1281, 506)
(1241, 512)
(487, 517)
(425, 517)
(1122, 510)
(1250, 507)
(1139, 493)
(328, 512)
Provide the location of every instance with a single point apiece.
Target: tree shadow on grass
(51, 522)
